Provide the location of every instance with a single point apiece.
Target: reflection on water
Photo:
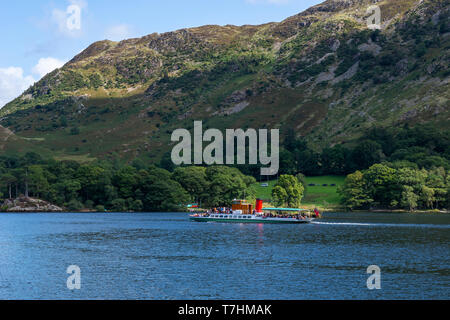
(165, 256)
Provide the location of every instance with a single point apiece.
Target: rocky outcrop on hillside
(24, 204)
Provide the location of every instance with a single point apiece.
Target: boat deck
(233, 218)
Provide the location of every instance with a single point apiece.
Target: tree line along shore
(386, 169)
(71, 186)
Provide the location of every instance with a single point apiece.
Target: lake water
(165, 256)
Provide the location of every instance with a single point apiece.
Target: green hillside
(321, 72)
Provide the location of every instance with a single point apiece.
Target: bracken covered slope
(321, 72)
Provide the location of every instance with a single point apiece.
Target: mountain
(321, 72)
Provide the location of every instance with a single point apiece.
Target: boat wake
(397, 225)
(343, 223)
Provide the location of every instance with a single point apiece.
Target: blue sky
(36, 38)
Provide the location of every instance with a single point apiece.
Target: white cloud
(47, 65)
(13, 83)
(118, 32)
(268, 1)
(81, 3)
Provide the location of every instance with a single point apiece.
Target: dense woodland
(137, 187)
(395, 168)
(404, 168)
(397, 186)
(423, 146)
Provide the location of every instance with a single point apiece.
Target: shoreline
(336, 209)
(375, 211)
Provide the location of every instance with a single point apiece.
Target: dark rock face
(23, 204)
(92, 50)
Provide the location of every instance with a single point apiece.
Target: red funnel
(259, 205)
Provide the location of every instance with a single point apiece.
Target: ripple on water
(165, 256)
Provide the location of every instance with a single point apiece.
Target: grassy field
(323, 195)
(318, 195)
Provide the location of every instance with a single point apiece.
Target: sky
(41, 35)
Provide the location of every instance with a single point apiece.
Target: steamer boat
(243, 212)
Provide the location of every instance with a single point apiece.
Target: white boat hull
(225, 218)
